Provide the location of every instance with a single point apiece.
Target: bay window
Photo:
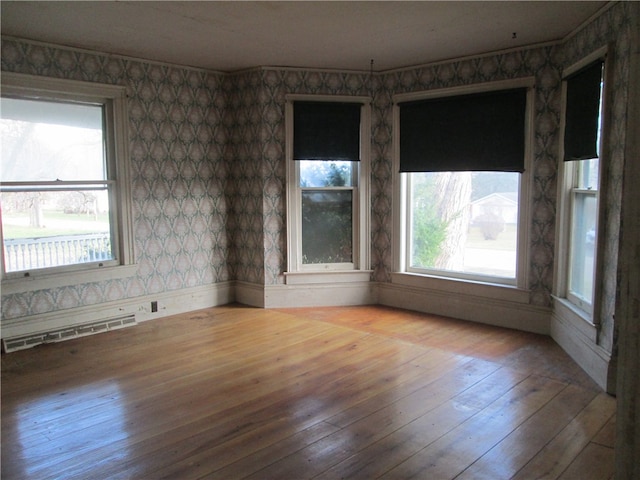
(462, 189)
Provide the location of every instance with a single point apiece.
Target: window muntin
(463, 224)
(64, 194)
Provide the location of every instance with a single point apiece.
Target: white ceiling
(234, 35)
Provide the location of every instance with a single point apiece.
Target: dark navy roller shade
(583, 113)
(326, 131)
(475, 132)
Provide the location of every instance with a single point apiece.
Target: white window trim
(399, 241)
(359, 270)
(573, 192)
(566, 172)
(28, 86)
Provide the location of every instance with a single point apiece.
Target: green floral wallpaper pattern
(612, 28)
(208, 171)
(176, 146)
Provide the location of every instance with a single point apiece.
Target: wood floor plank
(71, 399)
(366, 363)
(274, 452)
(511, 454)
(224, 407)
(70, 403)
(607, 434)
(595, 462)
(312, 405)
(454, 452)
(421, 383)
(561, 451)
(355, 392)
(458, 336)
(310, 461)
(93, 363)
(395, 446)
(259, 458)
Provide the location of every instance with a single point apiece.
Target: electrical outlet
(154, 306)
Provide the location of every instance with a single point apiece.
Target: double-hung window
(462, 156)
(580, 185)
(64, 182)
(327, 170)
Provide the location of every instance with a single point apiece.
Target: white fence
(31, 253)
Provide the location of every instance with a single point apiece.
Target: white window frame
(570, 176)
(358, 270)
(113, 98)
(567, 172)
(455, 280)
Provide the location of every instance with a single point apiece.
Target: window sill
(63, 279)
(334, 276)
(571, 311)
(462, 287)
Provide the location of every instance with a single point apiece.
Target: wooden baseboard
(168, 303)
(491, 311)
(251, 294)
(577, 338)
(306, 295)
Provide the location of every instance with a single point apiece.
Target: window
(580, 185)
(326, 197)
(462, 154)
(584, 209)
(463, 224)
(64, 191)
(327, 175)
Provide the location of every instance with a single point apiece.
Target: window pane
(327, 227)
(326, 174)
(588, 174)
(583, 235)
(50, 229)
(46, 141)
(464, 222)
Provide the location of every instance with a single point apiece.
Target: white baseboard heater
(66, 333)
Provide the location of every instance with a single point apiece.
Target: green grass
(56, 223)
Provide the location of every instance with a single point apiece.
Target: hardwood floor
(345, 392)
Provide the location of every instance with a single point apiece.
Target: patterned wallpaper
(243, 121)
(207, 152)
(613, 28)
(537, 62)
(540, 63)
(276, 85)
(178, 174)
